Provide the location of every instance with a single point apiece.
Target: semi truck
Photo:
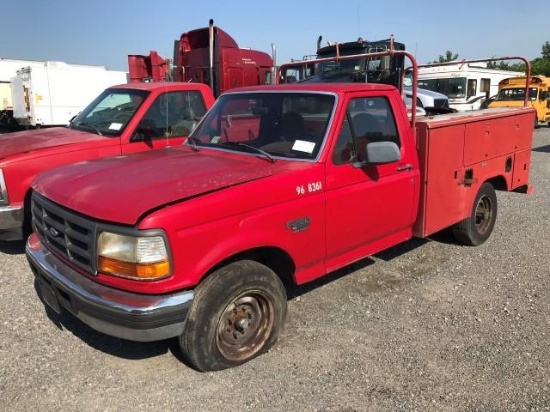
(206, 55)
(466, 85)
(277, 185)
(122, 119)
(511, 93)
(330, 67)
(54, 92)
(327, 66)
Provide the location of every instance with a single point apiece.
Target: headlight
(143, 258)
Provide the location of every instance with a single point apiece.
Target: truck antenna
(358, 20)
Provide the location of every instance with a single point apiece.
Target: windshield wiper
(254, 148)
(91, 126)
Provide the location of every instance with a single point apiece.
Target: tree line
(539, 65)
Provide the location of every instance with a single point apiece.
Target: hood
(123, 188)
(33, 140)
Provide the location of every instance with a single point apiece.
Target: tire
(476, 229)
(536, 123)
(236, 315)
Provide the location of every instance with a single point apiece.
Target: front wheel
(236, 315)
(477, 228)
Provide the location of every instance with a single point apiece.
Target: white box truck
(53, 93)
(8, 69)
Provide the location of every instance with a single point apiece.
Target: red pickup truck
(276, 185)
(123, 119)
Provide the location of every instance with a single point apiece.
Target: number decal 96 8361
(309, 188)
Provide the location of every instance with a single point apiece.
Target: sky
(104, 32)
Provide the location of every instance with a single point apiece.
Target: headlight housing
(133, 257)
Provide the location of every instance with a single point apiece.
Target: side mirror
(140, 136)
(382, 152)
(144, 132)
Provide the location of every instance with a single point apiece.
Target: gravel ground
(426, 326)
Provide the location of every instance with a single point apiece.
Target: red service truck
(123, 119)
(277, 185)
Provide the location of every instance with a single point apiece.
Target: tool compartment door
(442, 197)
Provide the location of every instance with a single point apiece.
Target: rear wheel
(236, 315)
(477, 228)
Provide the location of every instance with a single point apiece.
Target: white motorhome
(466, 85)
(53, 93)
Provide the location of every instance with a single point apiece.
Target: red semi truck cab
(123, 119)
(277, 185)
(207, 55)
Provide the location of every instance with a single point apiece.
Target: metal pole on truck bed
(390, 52)
(492, 59)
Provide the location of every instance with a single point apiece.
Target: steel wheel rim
(245, 326)
(483, 214)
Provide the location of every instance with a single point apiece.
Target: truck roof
(315, 87)
(157, 85)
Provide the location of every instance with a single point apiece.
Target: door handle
(405, 168)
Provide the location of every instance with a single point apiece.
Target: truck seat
(292, 127)
(186, 123)
(365, 126)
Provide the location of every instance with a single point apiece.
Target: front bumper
(114, 312)
(11, 217)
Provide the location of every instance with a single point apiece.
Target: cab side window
(173, 114)
(367, 120)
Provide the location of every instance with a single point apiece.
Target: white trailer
(466, 85)
(8, 69)
(55, 92)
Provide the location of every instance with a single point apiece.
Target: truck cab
(207, 55)
(123, 119)
(352, 62)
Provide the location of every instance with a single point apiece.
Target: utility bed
(454, 149)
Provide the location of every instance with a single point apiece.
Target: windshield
(110, 112)
(361, 69)
(517, 93)
(340, 67)
(453, 88)
(289, 125)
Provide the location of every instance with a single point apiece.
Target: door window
(173, 114)
(367, 120)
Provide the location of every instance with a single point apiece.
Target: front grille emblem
(53, 232)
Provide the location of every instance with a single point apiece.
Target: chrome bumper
(11, 217)
(126, 315)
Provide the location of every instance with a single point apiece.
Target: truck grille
(65, 232)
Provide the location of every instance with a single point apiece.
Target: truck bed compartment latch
(469, 178)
